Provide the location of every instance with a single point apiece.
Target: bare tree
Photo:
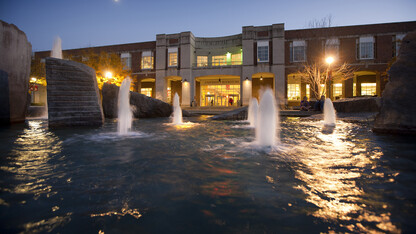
(325, 22)
(317, 74)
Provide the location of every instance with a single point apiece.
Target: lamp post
(329, 60)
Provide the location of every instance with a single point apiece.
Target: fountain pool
(205, 179)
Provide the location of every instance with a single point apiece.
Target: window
(147, 60)
(202, 61)
(366, 48)
(308, 91)
(146, 91)
(173, 57)
(293, 91)
(219, 60)
(297, 51)
(398, 42)
(368, 89)
(262, 51)
(332, 47)
(125, 59)
(337, 90)
(236, 59)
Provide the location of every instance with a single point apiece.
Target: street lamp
(329, 60)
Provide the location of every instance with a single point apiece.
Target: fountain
(177, 111)
(252, 112)
(125, 115)
(57, 48)
(329, 113)
(267, 125)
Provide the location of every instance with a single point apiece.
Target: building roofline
(355, 26)
(104, 46)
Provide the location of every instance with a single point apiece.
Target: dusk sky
(84, 23)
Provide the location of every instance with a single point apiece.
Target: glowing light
(108, 75)
(33, 79)
(329, 60)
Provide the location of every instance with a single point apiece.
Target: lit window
(332, 47)
(147, 60)
(146, 91)
(173, 56)
(202, 61)
(297, 51)
(219, 60)
(337, 90)
(366, 48)
(368, 89)
(236, 59)
(308, 91)
(263, 51)
(125, 59)
(293, 91)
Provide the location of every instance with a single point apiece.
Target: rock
(398, 109)
(72, 93)
(143, 106)
(237, 114)
(4, 98)
(359, 104)
(15, 56)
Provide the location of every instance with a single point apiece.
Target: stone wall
(72, 93)
(398, 110)
(359, 104)
(15, 55)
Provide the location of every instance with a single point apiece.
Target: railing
(217, 64)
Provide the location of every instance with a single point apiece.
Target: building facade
(230, 70)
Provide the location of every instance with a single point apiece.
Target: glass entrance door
(210, 100)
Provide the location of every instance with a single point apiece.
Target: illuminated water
(125, 115)
(56, 51)
(253, 108)
(204, 179)
(177, 111)
(329, 113)
(268, 124)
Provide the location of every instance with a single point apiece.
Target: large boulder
(143, 106)
(15, 55)
(359, 104)
(398, 109)
(73, 95)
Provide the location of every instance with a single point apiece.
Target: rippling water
(205, 177)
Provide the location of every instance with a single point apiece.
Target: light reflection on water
(330, 171)
(205, 177)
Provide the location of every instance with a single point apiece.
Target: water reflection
(30, 159)
(124, 211)
(330, 170)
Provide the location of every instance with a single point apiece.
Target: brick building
(211, 71)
